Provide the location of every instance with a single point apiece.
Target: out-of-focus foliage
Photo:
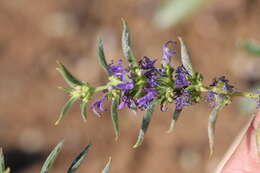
(172, 12)
(252, 47)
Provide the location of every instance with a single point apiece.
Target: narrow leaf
(68, 77)
(51, 158)
(107, 167)
(83, 110)
(128, 53)
(76, 163)
(211, 125)
(175, 117)
(185, 58)
(66, 108)
(2, 161)
(114, 116)
(145, 124)
(251, 47)
(102, 57)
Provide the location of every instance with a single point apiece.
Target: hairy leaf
(175, 117)
(76, 163)
(66, 108)
(83, 110)
(51, 158)
(126, 45)
(211, 125)
(107, 167)
(145, 124)
(185, 58)
(114, 116)
(102, 57)
(68, 77)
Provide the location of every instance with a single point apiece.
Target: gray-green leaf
(102, 57)
(185, 58)
(211, 125)
(51, 158)
(175, 117)
(107, 167)
(114, 115)
(83, 110)
(66, 108)
(68, 77)
(145, 123)
(126, 45)
(76, 163)
(2, 161)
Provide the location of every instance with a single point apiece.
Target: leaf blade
(145, 124)
(175, 117)
(108, 166)
(51, 158)
(77, 161)
(68, 77)
(114, 116)
(83, 110)
(102, 57)
(128, 53)
(185, 58)
(66, 108)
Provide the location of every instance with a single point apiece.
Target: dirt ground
(36, 33)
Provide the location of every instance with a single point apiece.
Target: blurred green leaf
(2, 161)
(145, 123)
(68, 77)
(126, 45)
(172, 12)
(175, 117)
(107, 167)
(83, 110)
(114, 115)
(102, 57)
(211, 125)
(251, 47)
(76, 163)
(185, 58)
(66, 108)
(51, 158)
(7, 170)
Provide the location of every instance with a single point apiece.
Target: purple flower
(168, 52)
(183, 99)
(145, 101)
(211, 98)
(125, 86)
(118, 70)
(227, 86)
(126, 100)
(98, 106)
(181, 77)
(146, 63)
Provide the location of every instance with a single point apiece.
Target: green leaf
(145, 123)
(68, 77)
(185, 58)
(107, 167)
(175, 117)
(66, 108)
(252, 47)
(128, 53)
(51, 158)
(211, 125)
(7, 170)
(102, 57)
(174, 11)
(76, 163)
(83, 110)
(2, 161)
(114, 115)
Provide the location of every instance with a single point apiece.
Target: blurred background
(36, 33)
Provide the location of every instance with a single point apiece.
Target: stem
(244, 94)
(100, 88)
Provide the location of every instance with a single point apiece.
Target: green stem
(100, 88)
